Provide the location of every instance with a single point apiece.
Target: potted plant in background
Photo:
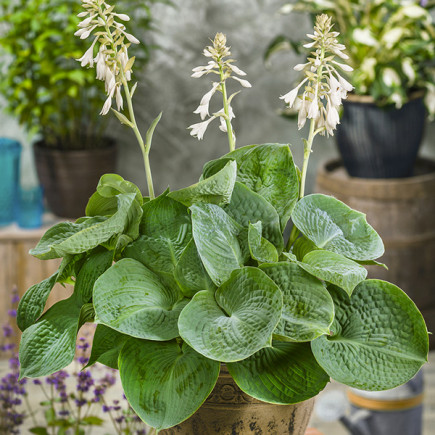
(51, 96)
(390, 45)
(193, 278)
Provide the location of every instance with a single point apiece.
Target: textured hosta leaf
(165, 232)
(334, 268)
(214, 166)
(269, 170)
(261, 249)
(50, 344)
(372, 263)
(332, 225)
(379, 338)
(101, 206)
(302, 247)
(237, 320)
(106, 346)
(285, 373)
(190, 272)
(164, 382)
(70, 266)
(215, 234)
(111, 185)
(131, 299)
(307, 310)
(216, 189)
(33, 302)
(95, 265)
(69, 238)
(247, 206)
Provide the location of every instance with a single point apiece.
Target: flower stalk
(224, 69)
(114, 67)
(324, 90)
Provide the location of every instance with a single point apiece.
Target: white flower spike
(224, 70)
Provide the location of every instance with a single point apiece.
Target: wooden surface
(19, 269)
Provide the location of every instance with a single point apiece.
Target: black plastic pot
(379, 142)
(70, 177)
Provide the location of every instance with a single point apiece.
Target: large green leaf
(247, 207)
(237, 320)
(69, 238)
(111, 185)
(284, 373)
(332, 225)
(33, 302)
(106, 346)
(216, 189)
(165, 232)
(307, 310)
(215, 234)
(98, 261)
(190, 272)
(261, 249)
(334, 268)
(302, 247)
(164, 382)
(49, 345)
(214, 166)
(269, 170)
(131, 299)
(379, 339)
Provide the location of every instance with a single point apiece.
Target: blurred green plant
(43, 85)
(390, 44)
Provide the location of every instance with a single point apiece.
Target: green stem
(145, 148)
(226, 111)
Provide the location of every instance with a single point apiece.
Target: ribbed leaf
(216, 189)
(190, 272)
(33, 302)
(95, 265)
(237, 320)
(379, 338)
(261, 249)
(215, 235)
(284, 373)
(269, 171)
(247, 206)
(332, 225)
(165, 232)
(164, 382)
(106, 346)
(50, 344)
(69, 238)
(334, 268)
(131, 299)
(307, 310)
(111, 185)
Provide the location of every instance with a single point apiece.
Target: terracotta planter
(228, 410)
(69, 177)
(377, 142)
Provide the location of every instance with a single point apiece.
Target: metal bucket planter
(379, 142)
(69, 177)
(228, 410)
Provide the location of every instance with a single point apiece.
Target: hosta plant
(180, 283)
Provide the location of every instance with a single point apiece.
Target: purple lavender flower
(7, 330)
(12, 313)
(84, 381)
(423, 3)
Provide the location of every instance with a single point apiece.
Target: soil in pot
(228, 410)
(70, 177)
(377, 142)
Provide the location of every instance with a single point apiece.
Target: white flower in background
(364, 37)
(390, 77)
(224, 69)
(408, 70)
(323, 87)
(113, 66)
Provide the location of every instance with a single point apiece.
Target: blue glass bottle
(10, 151)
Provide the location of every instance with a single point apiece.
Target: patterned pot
(229, 411)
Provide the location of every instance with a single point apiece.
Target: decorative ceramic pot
(228, 410)
(69, 177)
(377, 142)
